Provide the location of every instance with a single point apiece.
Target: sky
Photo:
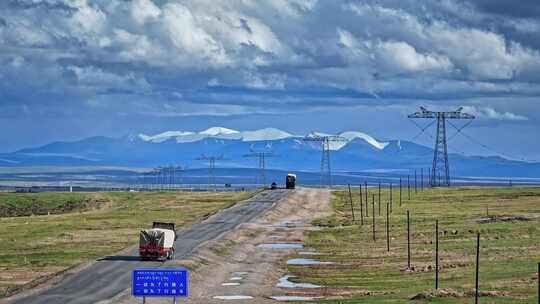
(71, 69)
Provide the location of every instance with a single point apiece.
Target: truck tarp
(152, 238)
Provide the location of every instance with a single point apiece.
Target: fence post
(415, 182)
(366, 196)
(400, 192)
(350, 198)
(408, 242)
(391, 197)
(373, 215)
(436, 254)
(422, 178)
(409, 186)
(379, 198)
(477, 266)
(361, 207)
(387, 227)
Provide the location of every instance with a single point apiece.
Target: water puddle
(293, 298)
(230, 284)
(280, 246)
(291, 224)
(235, 278)
(307, 262)
(285, 283)
(308, 253)
(239, 273)
(236, 297)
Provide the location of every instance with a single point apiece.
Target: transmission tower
(211, 167)
(261, 155)
(325, 140)
(440, 170)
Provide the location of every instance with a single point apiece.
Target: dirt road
(235, 268)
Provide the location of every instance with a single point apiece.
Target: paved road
(110, 276)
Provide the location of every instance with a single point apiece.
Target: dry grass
(37, 246)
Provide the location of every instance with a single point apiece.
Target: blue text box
(158, 282)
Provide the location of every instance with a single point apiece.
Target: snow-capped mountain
(357, 151)
(265, 134)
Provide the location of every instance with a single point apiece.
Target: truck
(157, 243)
(290, 181)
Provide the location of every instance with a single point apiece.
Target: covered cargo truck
(158, 242)
(290, 181)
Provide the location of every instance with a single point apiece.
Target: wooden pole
(477, 266)
(373, 216)
(391, 197)
(366, 196)
(350, 199)
(400, 192)
(436, 254)
(387, 227)
(379, 198)
(409, 186)
(361, 207)
(408, 242)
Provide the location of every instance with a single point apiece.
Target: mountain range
(357, 152)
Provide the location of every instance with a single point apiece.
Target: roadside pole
(361, 208)
(436, 254)
(400, 192)
(351, 200)
(373, 216)
(387, 227)
(391, 197)
(477, 266)
(408, 242)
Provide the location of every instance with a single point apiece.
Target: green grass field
(365, 272)
(79, 226)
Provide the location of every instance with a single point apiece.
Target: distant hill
(359, 152)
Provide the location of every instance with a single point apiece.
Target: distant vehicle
(273, 186)
(158, 242)
(290, 181)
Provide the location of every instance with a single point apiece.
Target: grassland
(76, 227)
(366, 272)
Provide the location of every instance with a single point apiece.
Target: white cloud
(491, 113)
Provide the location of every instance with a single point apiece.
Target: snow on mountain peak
(216, 131)
(265, 134)
(351, 135)
(164, 136)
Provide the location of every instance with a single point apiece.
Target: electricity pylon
(440, 170)
(261, 155)
(325, 140)
(211, 166)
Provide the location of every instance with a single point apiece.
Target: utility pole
(211, 168)
(261, 155)
(325, 140)
(441, 167)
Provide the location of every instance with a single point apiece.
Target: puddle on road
(285, 283)
(308, 253)
(235, 278)
(280, 246)
(239, 273)
(307, 262)
(293, 298)
(235, 297)
(290, 224)
(231, 284)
